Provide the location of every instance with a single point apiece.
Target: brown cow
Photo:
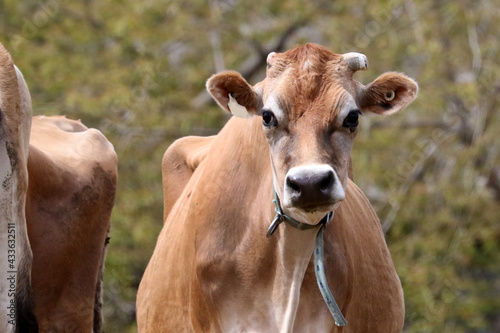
(15, 253)
(214, 270)
(72, 181)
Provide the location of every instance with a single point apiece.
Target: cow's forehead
(308, 58)
(309, 78)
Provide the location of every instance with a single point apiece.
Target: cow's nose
(311, 186)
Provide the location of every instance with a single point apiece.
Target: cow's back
(72, 184)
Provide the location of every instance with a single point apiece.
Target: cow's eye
(351, 121)
(269, 119)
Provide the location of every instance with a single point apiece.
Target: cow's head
(310, 105)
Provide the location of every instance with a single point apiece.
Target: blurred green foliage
(136, 71)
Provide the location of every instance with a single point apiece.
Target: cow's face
(310, 108)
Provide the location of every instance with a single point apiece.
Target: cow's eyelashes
(269, 119)
(351, 121)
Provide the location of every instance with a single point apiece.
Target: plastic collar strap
(319, 267)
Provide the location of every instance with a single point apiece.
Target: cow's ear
(233, 93)
(388, 94)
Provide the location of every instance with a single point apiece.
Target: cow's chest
(270, 290)
(260, 314)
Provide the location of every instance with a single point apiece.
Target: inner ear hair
(388, 93)
(221, 85)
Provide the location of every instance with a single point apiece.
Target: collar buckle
(274, 225)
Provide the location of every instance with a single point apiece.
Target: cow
(16, 301)
(72, 183)
(58, 188)
(213, 268)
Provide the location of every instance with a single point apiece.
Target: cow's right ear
(233, 93)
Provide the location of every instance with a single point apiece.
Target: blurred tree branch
(414, 175)
(150, 138)
(256, 62)
(252, 68)
(423, 123)
(415, 21)
(494, 182)
(86, 16)
(2, 16)
(215, 39)
(475, 49)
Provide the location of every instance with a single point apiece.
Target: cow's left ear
(233, 93)
(389, 93)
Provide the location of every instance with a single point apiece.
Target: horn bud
(270, 58)
(356, 61)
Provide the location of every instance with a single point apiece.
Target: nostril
(293, 185)
(327, 182)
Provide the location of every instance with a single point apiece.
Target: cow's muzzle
(313, 187)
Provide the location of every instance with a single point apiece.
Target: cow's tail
(99, 287)
(25, 318)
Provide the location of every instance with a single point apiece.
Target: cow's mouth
(312, 215)
(312, 209)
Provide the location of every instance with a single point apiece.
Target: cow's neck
(293, 253)
(289, 250)
(293, 249)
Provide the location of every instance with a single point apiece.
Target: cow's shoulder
(186, 153)
(179, 163)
